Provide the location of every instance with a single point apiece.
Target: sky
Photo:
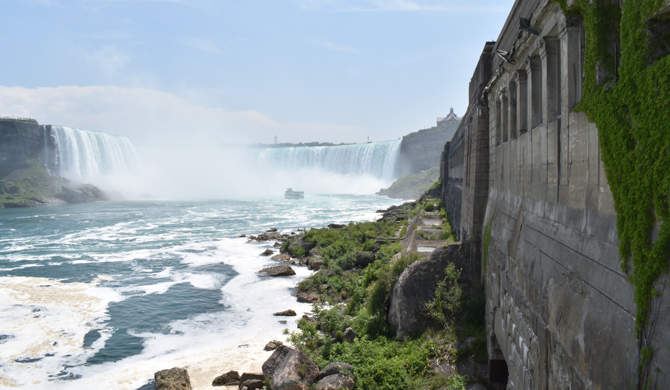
(221, 72)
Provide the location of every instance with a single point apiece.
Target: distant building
(451, 118)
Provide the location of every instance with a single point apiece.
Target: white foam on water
(210, 344)
(45, 320)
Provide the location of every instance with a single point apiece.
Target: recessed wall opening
(522, 103)
(498, 372)
(512, 111)
(498, 122)
(505, 118)
(536, 91)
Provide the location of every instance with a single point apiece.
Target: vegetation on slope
(358, 297)
(412, 185)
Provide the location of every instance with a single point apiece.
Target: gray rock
(363, 259)
(315, 263)
(334, 368)
(296, 242)
(277, 244)
(416, 286)
(279, 270)
(272, 345)
(308, 297)
(336, 382)
(349, 334)
(296, 372)
(231, 378)
(281, 257)
(275, 360)
(250, 376)
(253, 383)
(173, 379)
(336, 226)
(267, 252)
(286, 313)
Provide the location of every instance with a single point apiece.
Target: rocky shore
(373, 307)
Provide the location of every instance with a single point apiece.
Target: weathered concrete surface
(560, 312)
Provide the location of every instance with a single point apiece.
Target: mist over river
(105, 294)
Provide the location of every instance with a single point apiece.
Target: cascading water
(85, 155)
(377, 159)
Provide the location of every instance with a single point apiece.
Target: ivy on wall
(631, 108)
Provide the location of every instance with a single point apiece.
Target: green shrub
(444, 307)
(298, 252)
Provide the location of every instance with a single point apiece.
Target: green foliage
(445, 305)
(299, 252)
(333, 319)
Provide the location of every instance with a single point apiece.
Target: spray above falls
(377, 159)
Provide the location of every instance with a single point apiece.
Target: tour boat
(290, 194)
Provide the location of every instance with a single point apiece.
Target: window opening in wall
(536, 91)
(522, 103)
(498, 122)
(505, 118)
(659, 37)
(512, 111)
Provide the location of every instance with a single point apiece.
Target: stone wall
(421, 150)
(22, 141)
(560, 312)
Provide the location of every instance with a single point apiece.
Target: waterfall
(85, 155)
(377, 159)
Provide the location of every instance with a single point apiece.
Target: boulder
(336, 382)
(349, 334)
(363, 259)
(73, 196)
(316, 251)
(279, 270)
(416, 286)
(308, 297)
(275, 360)
(173, 379)
(281, 257)
(315, 263)
(277, 244)
(267, 252)
(286, 313)
(250, 376)
(295, 372)
(272, 345)
(272, 230)
(336, 226)
(231, 378)
(335, 368)
(253, 383)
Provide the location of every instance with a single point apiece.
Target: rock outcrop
(231, 378)
(279, 270)
(173, 379)
(290, 369)
(416, 286)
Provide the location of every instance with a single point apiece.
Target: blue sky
(242, 71)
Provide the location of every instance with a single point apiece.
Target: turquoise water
(112, 292)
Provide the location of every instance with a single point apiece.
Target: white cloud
(335, 46)
(204, 45)
(155, 118)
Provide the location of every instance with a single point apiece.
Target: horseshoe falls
(87, 155)
(376, 159)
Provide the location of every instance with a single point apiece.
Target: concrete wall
(560, 312)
